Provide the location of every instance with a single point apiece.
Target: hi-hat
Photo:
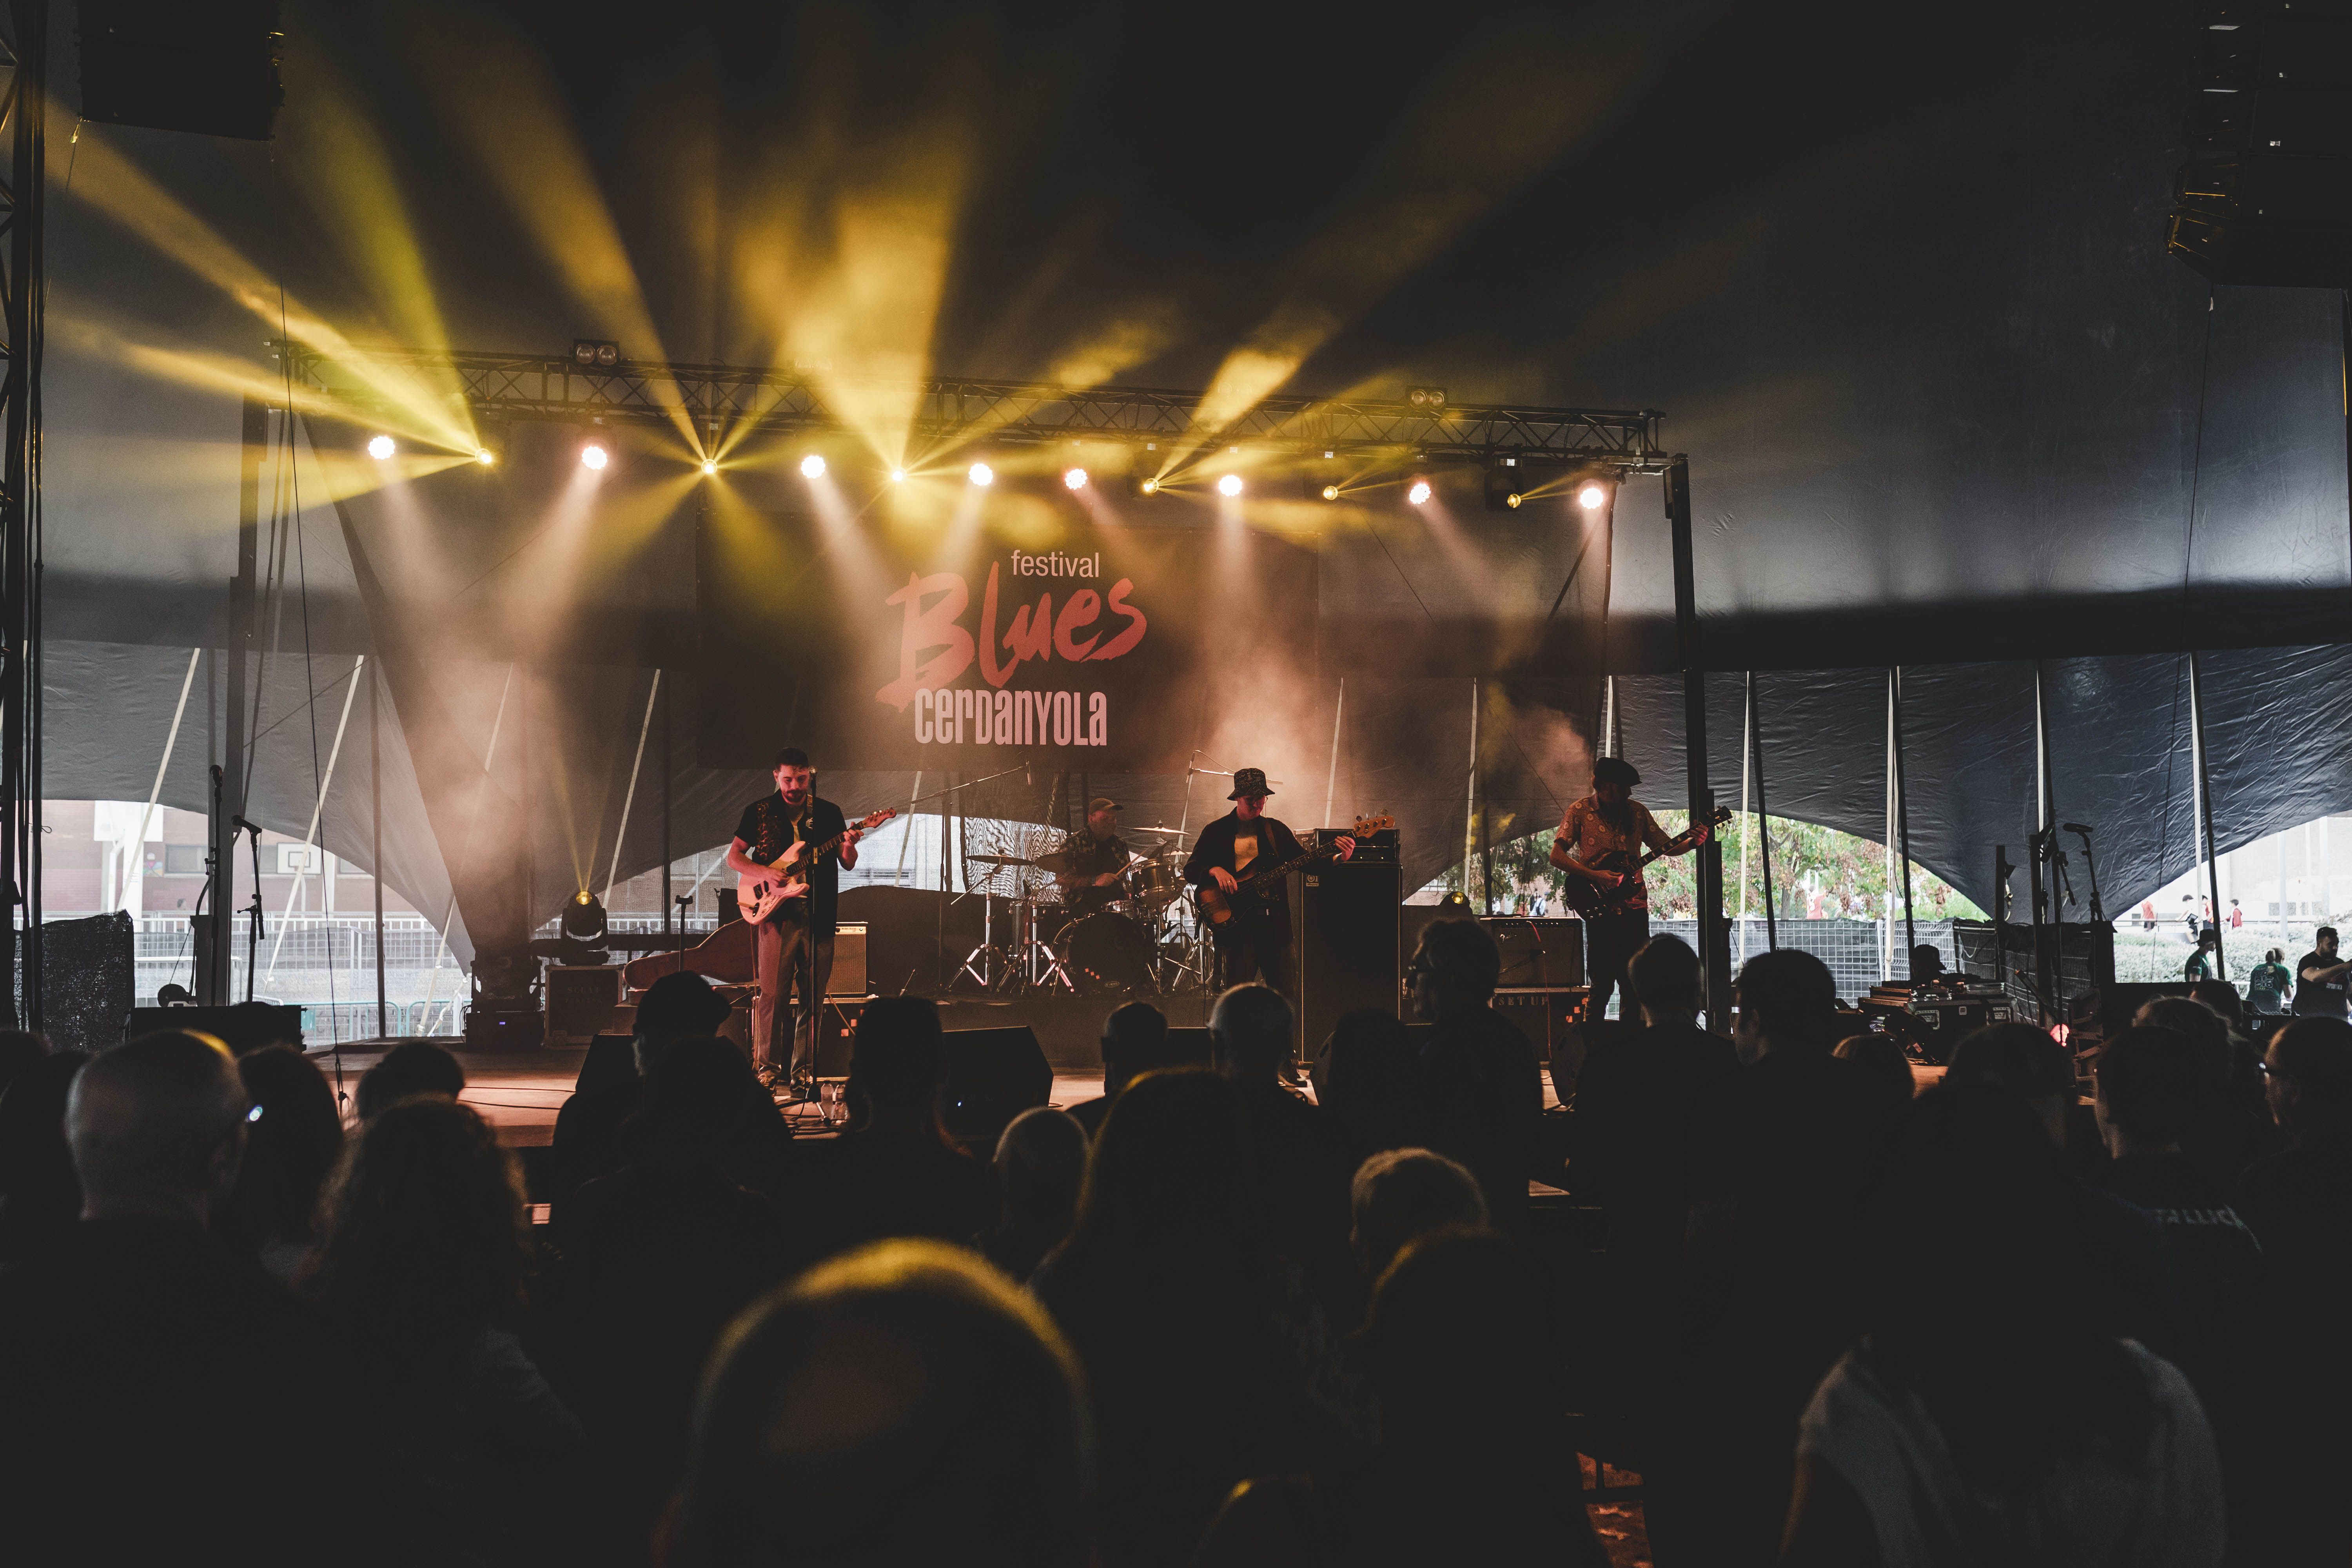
(999, 860)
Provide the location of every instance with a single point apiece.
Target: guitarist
(1256, 943)
(1610, 823)
(796, 944)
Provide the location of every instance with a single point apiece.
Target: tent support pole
(2045, 915)
(1715, 948)
(213, 982)
(375, 836)
(2205, 816)
(1763, 822)
(1902, 814)
(666, 771)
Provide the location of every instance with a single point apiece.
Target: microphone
(2075, 827)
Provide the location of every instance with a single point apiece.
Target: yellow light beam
(499, 93)
(120, 189)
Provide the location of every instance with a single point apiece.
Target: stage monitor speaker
(1189, 1047)
(611, 1056)
(1537, 952)
(246, 1026)
(209, 66)
(993, 1075)
(1349, 933)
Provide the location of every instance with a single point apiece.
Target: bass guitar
(1591, 899)
(761, 894)
(1217, 905)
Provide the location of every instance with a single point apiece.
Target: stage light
(595, 352)
(485, 457)
(594, 456)
(813, 467)
(980, 474)
(1330, 492)
(1592, 497)
(382, 447)
(1430, 397)
(1150, 487)
(1231, 485)
(1418, 493)
(710, 465)
(1074, 479)
(898, 475)
(1514, 500)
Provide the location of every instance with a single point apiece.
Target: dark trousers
(783, 949)
(1610, 943)
(1251, 950)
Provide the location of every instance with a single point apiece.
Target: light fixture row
(1591, 495)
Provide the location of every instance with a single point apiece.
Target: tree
(1848, 874)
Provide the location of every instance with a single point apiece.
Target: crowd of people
(2028, 1316)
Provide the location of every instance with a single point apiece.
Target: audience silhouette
(2049, 1310)
(137, 1351)
(1040, 1162)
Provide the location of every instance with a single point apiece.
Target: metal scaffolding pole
(1715, 947)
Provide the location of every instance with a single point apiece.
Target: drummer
(1088, 867)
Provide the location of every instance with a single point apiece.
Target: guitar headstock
(874, 819)
(1367, 825)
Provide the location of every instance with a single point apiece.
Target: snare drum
(1150, 884)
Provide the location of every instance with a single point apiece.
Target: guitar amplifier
(1371, 848)
(1537, 952)
(848, 977)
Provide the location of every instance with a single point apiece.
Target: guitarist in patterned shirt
(1611, 822)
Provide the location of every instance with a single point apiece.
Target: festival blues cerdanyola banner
(1104, 647)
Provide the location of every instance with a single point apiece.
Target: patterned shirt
(1588, 835)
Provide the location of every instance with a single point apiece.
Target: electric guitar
(761, 894)
(1590, 899)
(1217, 905)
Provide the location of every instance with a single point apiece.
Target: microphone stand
(253, 932)
(2098, 911)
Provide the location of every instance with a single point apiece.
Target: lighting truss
(954, 413)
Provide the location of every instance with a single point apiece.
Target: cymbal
(1001, 860)
(1059, 860)
(1172, 832)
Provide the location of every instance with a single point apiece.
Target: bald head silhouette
(904, 1403)
(157, 1126)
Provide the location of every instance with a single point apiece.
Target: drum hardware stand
(939, 940)
(1042, 965)
(987, 955)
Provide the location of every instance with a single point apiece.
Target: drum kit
(1137, 937)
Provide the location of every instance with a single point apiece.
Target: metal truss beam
(955, 413)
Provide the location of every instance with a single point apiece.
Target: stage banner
(1086, 647)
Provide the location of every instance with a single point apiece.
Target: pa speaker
(1348, 932)
(209, 66)
(246, 1026)
(993, 1075)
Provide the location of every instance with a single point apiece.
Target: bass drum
(1106, 955)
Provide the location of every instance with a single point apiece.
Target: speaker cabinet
(1349, 933)
(848, 976)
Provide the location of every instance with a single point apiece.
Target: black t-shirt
(2320, 998)
(769, 828)
(1090, 857)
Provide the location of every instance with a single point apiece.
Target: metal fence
(1851, 948)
